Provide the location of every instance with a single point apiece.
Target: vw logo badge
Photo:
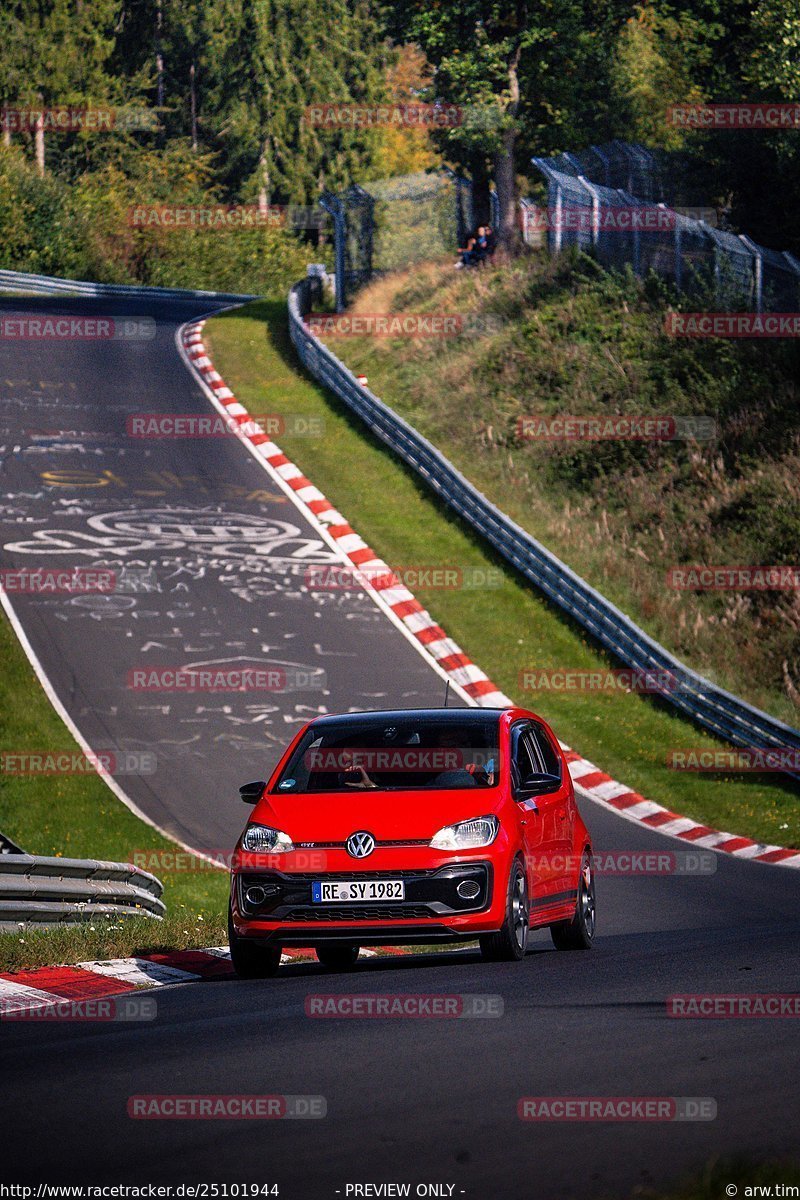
(360, 844)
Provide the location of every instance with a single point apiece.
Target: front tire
(511, 941)
(338, 957)
(251, 961)
(578, 934)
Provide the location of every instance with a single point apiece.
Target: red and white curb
(448, 658)
(47, 987)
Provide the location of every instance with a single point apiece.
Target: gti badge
(360, 844)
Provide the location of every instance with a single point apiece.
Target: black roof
(401, 716)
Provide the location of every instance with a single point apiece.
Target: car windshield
(427, 753)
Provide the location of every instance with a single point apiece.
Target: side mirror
(539, 784)
(251, 792)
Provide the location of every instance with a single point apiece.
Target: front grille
(313, 876)
(401, 842)
(387, 912)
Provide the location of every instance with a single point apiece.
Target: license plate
(356, 890)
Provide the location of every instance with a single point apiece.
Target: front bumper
(276, 907)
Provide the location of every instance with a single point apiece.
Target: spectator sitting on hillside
(467, 254)
(478, 249)
(481, 250)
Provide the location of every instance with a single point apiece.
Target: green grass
(77, 816)
(569, 338)
(504, 629)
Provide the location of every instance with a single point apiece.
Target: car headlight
(260, 839)
(467, 835)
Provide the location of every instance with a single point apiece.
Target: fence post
(333, 205)
(494, 208)
(584, 182)
(462, 182)
(559, 218)
(678, 253)
(709, 233)
(604, 159)
(794, 264)
(636, 236)
(758, 270)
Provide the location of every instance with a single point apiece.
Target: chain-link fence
(618, 165)
(389, 224)
(622, 227)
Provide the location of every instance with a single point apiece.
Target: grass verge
(504, 628)
(563, 337)
(77, 816)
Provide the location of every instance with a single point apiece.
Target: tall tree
(262, 65)
(55, 54)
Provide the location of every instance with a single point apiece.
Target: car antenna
(446, 693)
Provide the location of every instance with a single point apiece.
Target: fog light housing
(468, 889)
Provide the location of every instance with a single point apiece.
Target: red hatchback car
(417, 826)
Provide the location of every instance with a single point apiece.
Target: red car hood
(388, 816)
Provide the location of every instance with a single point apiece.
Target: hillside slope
(565, 338)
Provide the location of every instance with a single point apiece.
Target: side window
(522, 765)
(551, 763)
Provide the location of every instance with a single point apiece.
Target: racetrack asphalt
(211, 563)
(418, 1101)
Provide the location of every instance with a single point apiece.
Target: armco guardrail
(49, 285)
(47, 891)
(715, 709)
